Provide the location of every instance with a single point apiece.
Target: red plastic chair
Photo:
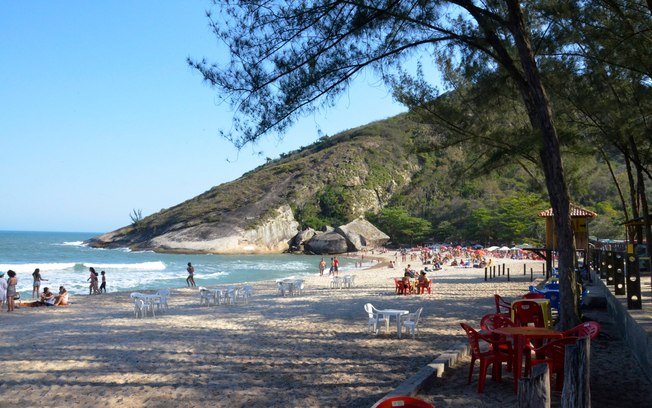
(399, 286)
(502, 306)
(527, 312)
(534, 296)
(590, 329)
(422, 289)
(493, 321)
(495, 356)
(553, 354)
(408, 402)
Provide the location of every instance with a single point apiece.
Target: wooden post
(485, 273)
(577, 368)
(507, 274)
(524, 269)
(503, 269)
(534, 392)
(543, 270)
(531, 274)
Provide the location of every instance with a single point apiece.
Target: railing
(620, 270)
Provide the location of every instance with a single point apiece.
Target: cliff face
(351, 173)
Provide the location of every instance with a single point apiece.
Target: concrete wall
(635, 325)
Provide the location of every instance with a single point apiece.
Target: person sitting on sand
(454, 263)
(62, 298)
(47, 297)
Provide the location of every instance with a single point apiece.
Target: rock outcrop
(327, 243)
(360, 233)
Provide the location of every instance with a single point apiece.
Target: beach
(309, 350)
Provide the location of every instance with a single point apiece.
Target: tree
(401, 226)
(289, 58)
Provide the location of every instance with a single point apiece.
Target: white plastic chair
(162, 302)
(411, 321)
(349, 281)
(219, 296)
(232, 295)
(374, 319)
(336, 282)
(139, 308)
(247, 292)
(298, 287)
(205, 296)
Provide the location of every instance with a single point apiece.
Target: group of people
(335, 266)
(93, 288)
(9, 294)
(406, 285)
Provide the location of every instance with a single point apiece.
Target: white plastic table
(388, 313)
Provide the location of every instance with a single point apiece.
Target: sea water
(64, 260)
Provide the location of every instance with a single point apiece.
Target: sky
(100, 114)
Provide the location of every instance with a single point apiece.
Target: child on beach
(190, 280)
(103, 285)
(37, 283)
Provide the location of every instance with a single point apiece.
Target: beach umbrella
(503, 248)
(492, 248)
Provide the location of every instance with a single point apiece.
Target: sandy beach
(310, 350)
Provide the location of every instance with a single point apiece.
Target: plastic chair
(163, 300)
(205, 296)
(590, 329)
(494, 356)
(298, 287)
(403, 401)
(553, 354)
(502, 306)
(553, 297)
(411, 321)
(527, 312)
(374, 318)
(247, 292)
(531, 295)
(422, 289)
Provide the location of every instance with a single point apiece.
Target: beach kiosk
(580, 223)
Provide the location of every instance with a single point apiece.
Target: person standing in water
(190, 280)
(322, 266)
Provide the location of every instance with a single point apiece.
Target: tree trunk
(538, 107)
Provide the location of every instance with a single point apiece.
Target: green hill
(360, 172)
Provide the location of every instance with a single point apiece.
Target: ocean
(65, 261)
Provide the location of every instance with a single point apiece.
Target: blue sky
(100, 115)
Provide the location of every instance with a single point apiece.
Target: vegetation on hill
(382, 171)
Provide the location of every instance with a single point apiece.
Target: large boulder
(360, 234)
(327, 243)
(301, 238)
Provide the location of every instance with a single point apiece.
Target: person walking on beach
(3, 289)
(11, 290)
(36, 292)
(190, 280)
(322, 266)
(103, 285)
(92, 288)
(336, 266)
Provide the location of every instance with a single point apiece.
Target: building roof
(575, 211)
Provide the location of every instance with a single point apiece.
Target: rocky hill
(359, 172)
(356, 171)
